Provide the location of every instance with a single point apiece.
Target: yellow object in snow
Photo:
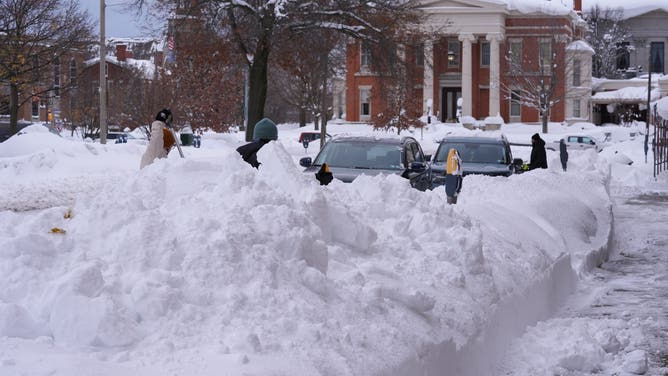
(57, 230)
(68, 214)
(453, 165)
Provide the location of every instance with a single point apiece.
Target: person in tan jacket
(162, 139)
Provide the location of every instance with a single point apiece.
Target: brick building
(470, 59)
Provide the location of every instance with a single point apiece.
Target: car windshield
(361, 154)
(473, 152)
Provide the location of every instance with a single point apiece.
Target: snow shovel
(176, 141)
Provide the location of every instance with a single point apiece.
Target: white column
(494, 69)
(467, 74)
(428, 79)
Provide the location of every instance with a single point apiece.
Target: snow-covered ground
(206, 266)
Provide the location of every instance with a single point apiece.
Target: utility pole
(649, 98)
(103, 78)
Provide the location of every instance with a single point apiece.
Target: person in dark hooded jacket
(538, 156)
(264, 131)
(563, 154)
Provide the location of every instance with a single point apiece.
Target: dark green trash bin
(186, 139)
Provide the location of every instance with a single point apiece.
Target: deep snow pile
(204, 265)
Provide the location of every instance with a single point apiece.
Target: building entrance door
(449, 96)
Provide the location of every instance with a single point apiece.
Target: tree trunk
(257, 91)
(13, 109)
(545, 118)
(302, 116)
(323, 100)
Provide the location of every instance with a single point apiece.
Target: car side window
(572, 139)
(410, 153)
(419, 156)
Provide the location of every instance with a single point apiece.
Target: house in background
(648, 27)
(130, 64)
(45, 99)
(469, 61)
(624, 100)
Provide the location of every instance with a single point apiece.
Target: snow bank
(193, 266)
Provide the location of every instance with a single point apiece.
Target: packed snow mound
(244, 264)
(605, 341)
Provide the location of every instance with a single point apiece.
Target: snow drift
(205, 264)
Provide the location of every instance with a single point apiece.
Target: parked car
(118, 137)
(581, 142)
(351, 156)
(480, 155)
(312, 136)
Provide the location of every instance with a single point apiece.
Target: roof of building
(625, 95)
(638, 11)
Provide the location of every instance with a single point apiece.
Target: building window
(657, 54)
(576, 108)
(545, 54)
(56, 77)
(515, 103)
(35, 107)
(73, 73)
(365, 103)
(419, 55)
(484, 54)
(515, 52)
(453, 50)
(577, 72)
(365, 55)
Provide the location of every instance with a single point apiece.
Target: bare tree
(206, 84)
(403, 105)
(609, 37)
(539, 83)
(256, 26)
(307, 72)
(34, 35)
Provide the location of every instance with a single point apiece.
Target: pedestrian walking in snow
(162, 138)
(264, 131)
(453, 176)
(538, 157)
(563, 154)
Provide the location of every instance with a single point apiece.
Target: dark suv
(480, 155)
(351, 156)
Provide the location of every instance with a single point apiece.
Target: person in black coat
(538, 156)
(264, 131)
(563, 154)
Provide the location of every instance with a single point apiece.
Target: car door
(420, 179)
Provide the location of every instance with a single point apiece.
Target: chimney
(577, 6)
(121, 52)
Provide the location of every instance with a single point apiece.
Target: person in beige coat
(162, 139)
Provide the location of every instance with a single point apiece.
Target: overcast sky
(119, 21)
(123, 23)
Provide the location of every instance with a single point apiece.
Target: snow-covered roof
(549, 7)
(145, 66)
(553, 7)
(625, 95)
(637, 11)
(580, 46)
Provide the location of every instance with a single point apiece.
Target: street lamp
(451, 56)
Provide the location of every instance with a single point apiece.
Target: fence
(660, 143)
